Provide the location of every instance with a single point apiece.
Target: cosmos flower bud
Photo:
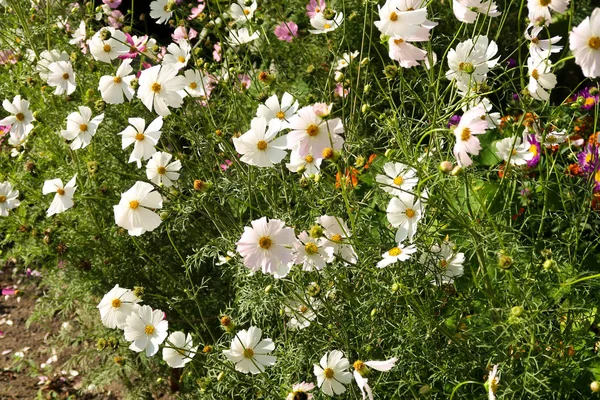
(105, 34)
(207, 349)
(328, 13)
(456, 171)
(549, 264)
(316, 231)
(504, 261)
(227, 323)
(445, 167)
(313, 289)
(516, 311)
(595, 387)
(338, 76)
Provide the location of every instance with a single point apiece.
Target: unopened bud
(446, 167)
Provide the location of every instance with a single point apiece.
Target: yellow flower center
(326, 26)
(398, 180)
(466, 67)
(60, 191)
(116, 303)
(156, 87)
(590, 101)
(588, 158)
(309, 159)
(248, 353)
(20, 117)
(107, 48)
(161, 170)
(246, 12)
(409, 212)
(140, 136)
(544, 3)
(312, 130)
(149, 329)
(2, 199)
(594, 42)
(443, 263)
(327, 153)
(514, 152)
(261, 145)
(65, 76)
(328, 373)
(303, 309)
(311, 248)
(398, 41)
(465, 134)
(337, 238)
(393, 16)
(83, 127)
(181, 59)
(265, 242)
(280, 114)
(533, 149)
(133, 204)
(358, 365)
(494, 382)
(535, 74)
(117, 79)
(395, 251)
(193, 85)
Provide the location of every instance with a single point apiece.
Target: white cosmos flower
(467, 10)
(109, 49)
(249, 353)
(471, 61)
(311, 253)
(63, 199)
(116, 306)
(81, 127)
(133, 211)
(179, 350)
(47, 58)
(278, 115)
(266, 245)
(346, 60)
(541, 48)
(444, 263)
(332, 373)
(395, 254)
(161, 171)
(240, 12)
(196, 84)
(112, 88)
(301, 313)
(404, 213)
(159, 87)
(405, 53)
(514, 150)
(398, 178)
(395, 23)
(259, 146)
(308, 164)
(337, 235)
(584, 42)
(146, 329)
(310, 134)
(20, 117)
(473, 122)
(143, 139)
(539, 10)
(8, 198)
(241, 36)
(178, 54)
(324, 25)
(62, 77)
(540, 78)
(79, 35)
(162, 10)
(492, 383)
(360, 369)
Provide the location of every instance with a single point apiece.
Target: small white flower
(346, 60)
(404, 213)
(179, 350)
(133, 211)
(146, 329)
(301, 313)
(539, 10)
(278, 115)
(159, 89)
(337, 235)
(471, 61)
(162, 10)
(116, 306)
(81, 127)
(47, 58)
(108, 50)
(467, 10)
(444, 263)
(332, 373)
(472, 123)
(492, 383)
(63, 199)
(178, 54)
(310, 134)
(395, 254)
(324, 25)
(541, 48)
(360, 370)
(308, 164)
(259, 146)
(62, 77)
(196, 84)
(112, 88)
(143, 139)
(300, 391)
(249, 353)
(311, 253)
(240, 12)
(584, 42)
(540, 78)
(395, 23)
(161, 171)
(8, 198)
(241, 36)
(79, 35)
(20, 118)
(514, 150)
(398, 178)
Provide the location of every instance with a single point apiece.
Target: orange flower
(351, 178)
(370, 161)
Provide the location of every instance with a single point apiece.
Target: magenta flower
(182, 33)
(286, 31)
(535, 149)
(112, 3)
(313, 8)
(136, 45)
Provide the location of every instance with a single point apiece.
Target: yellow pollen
(60, 191)
(116, 303)
(443, 263)
(117, 79)
(149, 329)
(133, 204)
(327, 153)
(544, 3)
(280, 114)
(594, 42)
(533, 149)
(20, 117)
(246, 12)
(317, 9)
(303, 309)
(140, 136)
(311, 248)
(358, 365)
(2, 199)
(193, 85)
(494, 385)
(156, 87)
(514, 152)
(265, 242)
(398, 41)
(161, 170)
(107, 48)
(181, 59)
(181, 352)
(393, 16)
(326, 26)
(328, 373)
(535, 40)
(597, 176)
(409, 212)
(535, 74)
(395, 251)
(465, 134)
(398, 180)
(83, 127)
(590, 101)
(312, 130)
(337, 238)
(261, 145)
(65, 76)
(309, 159)
(248, 353)
(588, 158)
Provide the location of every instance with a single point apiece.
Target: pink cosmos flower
(217, 51)
(7, 57)
(112, 3)
(286, 31)
(137, 44)
(115, 19)
(313, 8)
(182, 33)
(226, 164)
(197, 10)
(245, 81)
(340, 91)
